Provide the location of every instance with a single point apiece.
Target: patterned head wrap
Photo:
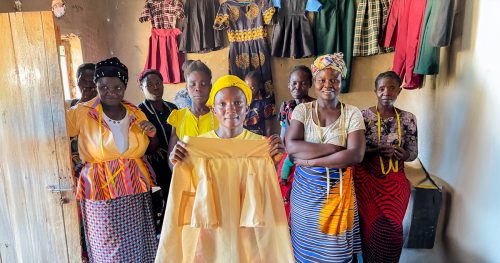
(226, 82)
(333, 61)
(111, 67)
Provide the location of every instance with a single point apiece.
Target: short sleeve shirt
(335, 133)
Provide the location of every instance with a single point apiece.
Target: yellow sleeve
(173, 119)
(72, 122)
(141, 116)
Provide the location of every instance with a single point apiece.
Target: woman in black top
(157, 111)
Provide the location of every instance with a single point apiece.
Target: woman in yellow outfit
(229, 100)
(225, 204)
(115, 181)
(198, 119)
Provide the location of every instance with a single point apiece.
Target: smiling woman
(229, 101)
(324, 139)
(114, 184)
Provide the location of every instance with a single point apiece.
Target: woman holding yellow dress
(226, 204)
(231, 88)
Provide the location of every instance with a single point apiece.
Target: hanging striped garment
(382, 201)
(371, 16)
(122, 177)
(324, 226)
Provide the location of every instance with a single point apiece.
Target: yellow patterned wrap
(333, 61)
(246, 35)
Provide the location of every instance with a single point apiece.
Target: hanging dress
(225, 204)
(163, 52)
(198, 34)
(248, 49)
(403, 32)
(370, 19)
(292, 33)
(334, 32)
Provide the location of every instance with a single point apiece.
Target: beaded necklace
(344, 135)
(393, 165)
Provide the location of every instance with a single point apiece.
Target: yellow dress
(225, 205)
(245, 135)
(187, 124)
(107, 173)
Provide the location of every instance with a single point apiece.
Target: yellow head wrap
(226, 82)
(333, 61)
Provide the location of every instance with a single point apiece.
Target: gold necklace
(393, 165)
(344, 135)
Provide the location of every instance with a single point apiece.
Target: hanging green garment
(428, 55)
(334, 30)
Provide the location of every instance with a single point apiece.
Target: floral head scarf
(333, 61)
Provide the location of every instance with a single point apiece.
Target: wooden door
(36, 224)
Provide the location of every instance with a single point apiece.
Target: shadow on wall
(462, 156)
(458, 141)
(461, 152)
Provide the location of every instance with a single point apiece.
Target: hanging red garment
(286, 189)
(403, 31)
(163, 52)
(164, 56)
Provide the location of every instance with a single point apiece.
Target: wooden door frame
(36, 225)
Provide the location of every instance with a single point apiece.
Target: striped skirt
(324, 225)
(120, 230)
(382, 201)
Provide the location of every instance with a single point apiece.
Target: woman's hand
(386, 151)
(148, 128)
(178, 153)
(401, 154)
(276, 148)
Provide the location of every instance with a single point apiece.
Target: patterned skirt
(382, 202)
(324, 224)
(120, 230)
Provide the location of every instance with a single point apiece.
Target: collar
(94, 103)
(150, 108)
